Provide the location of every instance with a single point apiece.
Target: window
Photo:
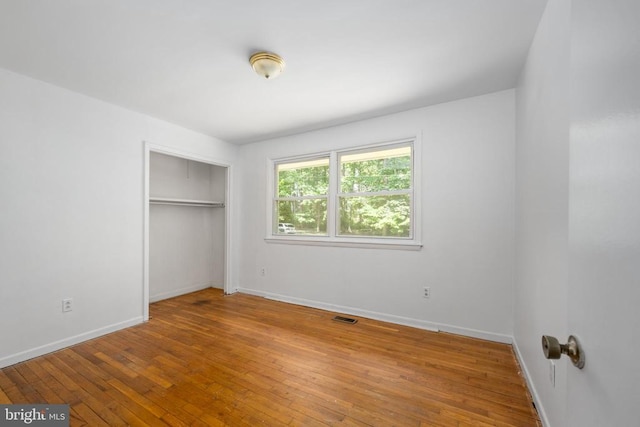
(301, 197)
(363, 195)
(375, 192)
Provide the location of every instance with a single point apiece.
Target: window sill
(345, 243)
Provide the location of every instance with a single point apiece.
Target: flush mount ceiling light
(266, 64)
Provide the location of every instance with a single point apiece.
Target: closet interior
(186, 226)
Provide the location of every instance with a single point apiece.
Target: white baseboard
(406, 321)
(178, 292)
(532, 388)
(67, 342)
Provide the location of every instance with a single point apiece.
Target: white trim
(67, 342)
(228, 253)
(181, 291)
(162, 149)
(228, 217)
(145, 234)
(270, 217)
(377, 193)
(399, 320)
(332, 197)
(346, 242)
(476, 333)
(302, 158)
(416, 198)
(532, 388)
(293, 199)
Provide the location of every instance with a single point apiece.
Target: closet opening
(186, 225)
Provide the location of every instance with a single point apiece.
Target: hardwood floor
(208, 359)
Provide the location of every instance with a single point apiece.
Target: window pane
(305, 178)
(388, 216)
(307, 217)
(388, 169)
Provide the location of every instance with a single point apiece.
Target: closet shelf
(185, 202)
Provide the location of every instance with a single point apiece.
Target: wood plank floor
(239, 360)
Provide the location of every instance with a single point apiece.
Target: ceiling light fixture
(266, 64)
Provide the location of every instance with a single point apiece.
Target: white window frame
(332, 238)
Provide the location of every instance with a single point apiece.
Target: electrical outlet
(552, 373)
(67, 305)
(263, 272)
(427, 292)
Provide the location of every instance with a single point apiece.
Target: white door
(604, 213)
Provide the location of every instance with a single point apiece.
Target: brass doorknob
(552, 349)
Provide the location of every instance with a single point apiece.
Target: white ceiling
(186, 61)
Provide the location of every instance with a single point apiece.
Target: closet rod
(184, 202)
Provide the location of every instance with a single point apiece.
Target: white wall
(186, 243)
(71, 217)
(467, 225)
(542, 188)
